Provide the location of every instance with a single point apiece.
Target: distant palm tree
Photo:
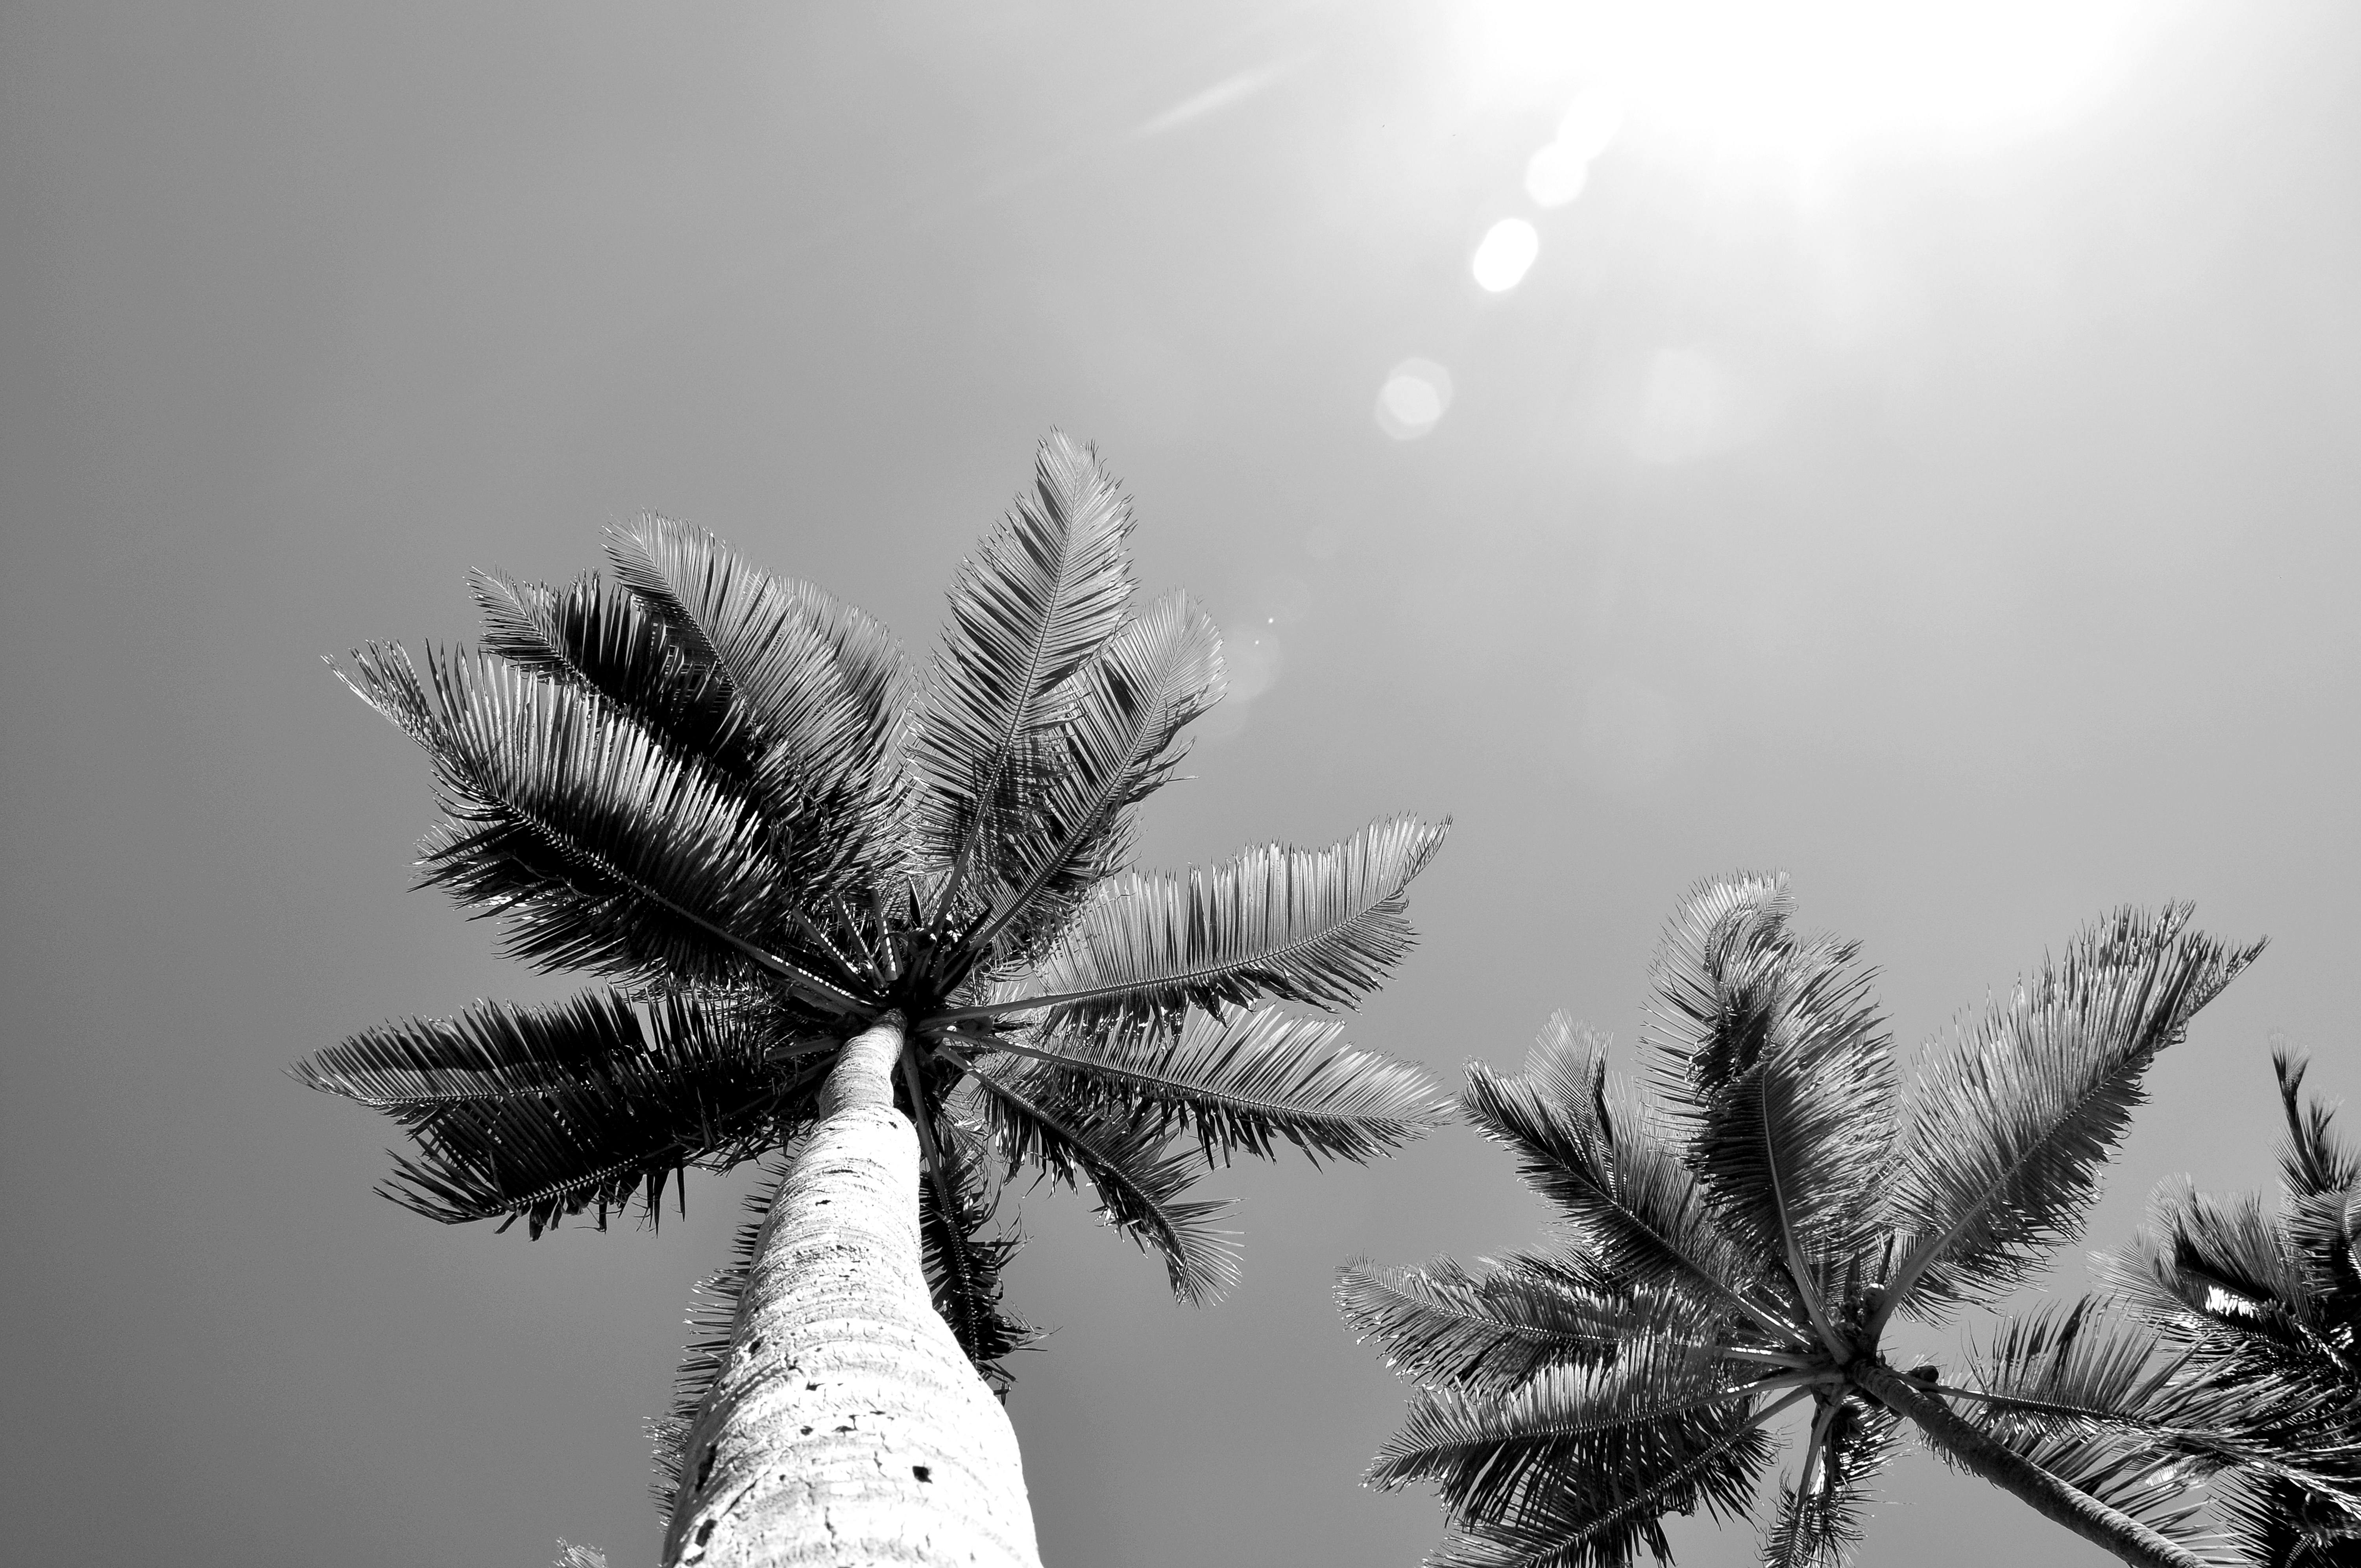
(870, 922)
(2260, 1311)
(1742, 1240)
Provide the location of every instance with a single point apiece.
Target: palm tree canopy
(1744, 1224)
(2260, 1312)
(725, 793)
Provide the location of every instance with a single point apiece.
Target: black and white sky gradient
(1959, 514)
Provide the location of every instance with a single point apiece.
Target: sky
(1918, 456)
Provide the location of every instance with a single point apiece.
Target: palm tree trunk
(847, 1428)
(1974, 1449)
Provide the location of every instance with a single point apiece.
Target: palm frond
(1319, 926)
(1636, 1206)
(2322, 1224)
(2077, 1371)
(822, 685)
(1485, 1332)
(1123, 711)
(2263, 1325)
(1246, 1081)
(604, 639)
(2007, 1137)
(1818, 1524)
(2205, 1269)
(2313, 1161)
(1769, 1048)
(2274, 1522)
(713, 1323)
(1138, 1178)
(596, 847)
(1647, 1409)
(1708, 983)
(1551, 1478)
(964, 1264)
(1605, 1520)
(1046, 589)
(538, 1113)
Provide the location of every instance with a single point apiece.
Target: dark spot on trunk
(922, 1473)
(705, 1532)
(704, 1468)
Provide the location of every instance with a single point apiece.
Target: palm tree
(2261, 1311)
(1742, 1239)
(874, 923)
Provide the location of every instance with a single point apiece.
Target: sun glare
(1789, 77)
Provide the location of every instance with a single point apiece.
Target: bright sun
(1797, 78)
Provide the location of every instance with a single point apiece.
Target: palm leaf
(2264, 1324)
(2273, 1522)
(712, 1323)
(605, 640)
(1637, 1208)
(2313, 1161)
(2222, 1273)
(537, 1113)
(2322, 1221)
(1484, 1333)
(963, 1265)
(1123, 710)
(1769, 1048)
(2077, 1371)
(597, 848)
(822, 685)
(2009, 1137)
(1318, 926)
(1647, 1409)
(1246, 1081)
(1048, 587)
(1818, 1524)
(1603, 1519)
(1579, 1465)
(1138, 1178)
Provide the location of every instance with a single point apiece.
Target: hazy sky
(1925, 463)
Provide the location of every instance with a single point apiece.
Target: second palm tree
(1743, 1239)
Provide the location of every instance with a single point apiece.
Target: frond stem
(1103, 1172)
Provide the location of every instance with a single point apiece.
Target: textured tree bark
(1970, 1449)
(847, 1427)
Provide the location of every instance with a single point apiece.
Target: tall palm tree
(882, 924)
(1742, 1240)
(2257, 1309)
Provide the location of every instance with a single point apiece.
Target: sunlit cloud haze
(1908, 444)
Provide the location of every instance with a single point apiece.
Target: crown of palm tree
(2261, 1311)
(723, 792)
(1741, 1239)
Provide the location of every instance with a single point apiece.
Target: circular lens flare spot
(1554, 176)
(1413, 399)
(1507, 253)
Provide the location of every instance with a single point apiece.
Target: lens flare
(1416, 394)
(1506, 255)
